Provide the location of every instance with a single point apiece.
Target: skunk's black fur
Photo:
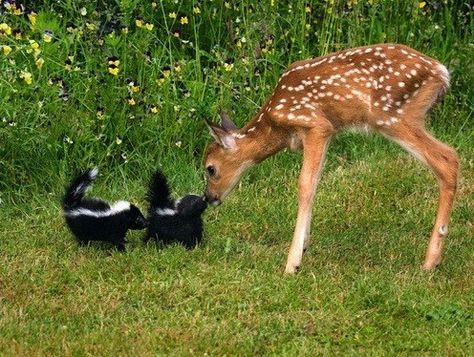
(92, 219)
(173, 221)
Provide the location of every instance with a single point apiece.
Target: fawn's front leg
(314, 150)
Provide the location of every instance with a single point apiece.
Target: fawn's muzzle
(212, 199)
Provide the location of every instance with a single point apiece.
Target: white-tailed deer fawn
(385, 87)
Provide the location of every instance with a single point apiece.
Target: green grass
(360, 289)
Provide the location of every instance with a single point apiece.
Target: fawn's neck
(259, 139)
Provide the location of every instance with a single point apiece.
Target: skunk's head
(136, 220)
(191, 205)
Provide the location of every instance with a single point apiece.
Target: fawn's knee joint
(452, 159)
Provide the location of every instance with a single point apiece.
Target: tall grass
(197, 58)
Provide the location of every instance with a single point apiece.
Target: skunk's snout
(142, 222)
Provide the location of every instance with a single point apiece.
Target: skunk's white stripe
(117, 208)
(93, 173)
(165, 212)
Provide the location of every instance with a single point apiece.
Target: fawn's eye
(211, 171)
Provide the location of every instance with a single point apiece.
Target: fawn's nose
(212, 199)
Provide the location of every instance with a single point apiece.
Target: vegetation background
(126, 85)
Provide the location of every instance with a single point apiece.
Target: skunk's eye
(211, 171)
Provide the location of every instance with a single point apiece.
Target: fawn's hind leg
(444, 162)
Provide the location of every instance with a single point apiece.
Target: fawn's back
(373, 85)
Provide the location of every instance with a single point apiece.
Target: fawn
(387, 88)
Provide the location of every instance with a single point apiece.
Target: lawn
(360, 289)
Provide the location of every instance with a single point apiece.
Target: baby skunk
(91, 219)
(173, 221)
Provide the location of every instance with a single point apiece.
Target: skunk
(173, 221)
(92, 219)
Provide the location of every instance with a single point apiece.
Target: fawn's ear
(223, 138)
(226, 123)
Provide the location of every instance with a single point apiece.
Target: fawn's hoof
(291, 268)
(430, 264)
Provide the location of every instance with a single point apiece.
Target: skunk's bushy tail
(159, 195)
(78, 187)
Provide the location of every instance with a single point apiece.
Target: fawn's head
(223, 161)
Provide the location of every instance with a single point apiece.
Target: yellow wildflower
(34, 45)
(17, 11)
(149, 27)
(17, 34)
(172, 15)
(154, 109)
(125, 30)
(228, 66)
(154, 4)
(113, 61)
(5, 29)
(133, 87)
(32, 17)
(139, 22)
(166, 71)
(227, 5)
(6, 49)
(34, 48)
(184, 20)
(27, 77)
(100, 113)
(113, 70)
(47, 37)
(91, 26)
(39, 63)
(422, 4)
(131, 101)
(196, 10)
(68, 66)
